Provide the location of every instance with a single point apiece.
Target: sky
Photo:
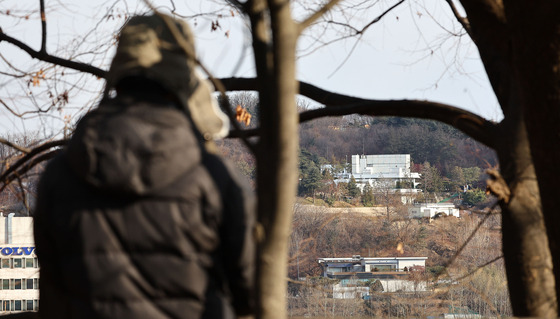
(414, 52)
(409, 54)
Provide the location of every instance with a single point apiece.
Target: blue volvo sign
(16, 251)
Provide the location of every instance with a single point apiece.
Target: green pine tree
(353, 189)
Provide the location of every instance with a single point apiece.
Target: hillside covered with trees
(446, 158)
(335, 139)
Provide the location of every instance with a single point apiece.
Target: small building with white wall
(431, 210)
(19, 269)
(392, 272)
(370, 264)
(358, 264)
(349, 292)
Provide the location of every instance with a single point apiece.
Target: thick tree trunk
(535, 42)
(525, 242)
(526, 252)
(277, 152)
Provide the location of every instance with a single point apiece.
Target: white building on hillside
(378, 170)
(359, 264)
(19, 270)
(393, 273)
(431, 210)
(370, 264)
(384, 172)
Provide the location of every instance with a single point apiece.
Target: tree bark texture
(535, 42)
(277, 152)
(526, 240)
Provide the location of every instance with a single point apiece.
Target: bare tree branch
(21, 115)
(471, 124)
(374, 21)
(43, 27)
(316, 15)
(14, 146)
(25, 167)
(27, 162)
(43, 56)
(237, 4)
(467, 241)
(462, 20)
(14, 68)
(485, 15)
(470, 273)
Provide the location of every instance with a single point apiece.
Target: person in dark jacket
(138, 217)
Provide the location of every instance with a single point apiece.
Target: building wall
(430, 210)
(19, 269)
(395, 263)
(341, 292)
(408, 263)
(388, 266)
(381, 171)
(396, 285)
(388, 164)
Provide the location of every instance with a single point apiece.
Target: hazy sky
(415, 52)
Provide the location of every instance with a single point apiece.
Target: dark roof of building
(339, 264)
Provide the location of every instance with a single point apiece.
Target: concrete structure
(19, 270)
(357, 264)
(392, 272)
(393, 263)
(461, 315)
(388, 170)
(431, 210)
(344, 292)
(400, 285)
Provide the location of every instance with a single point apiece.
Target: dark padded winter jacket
(135, 220)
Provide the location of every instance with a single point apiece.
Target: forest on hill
(336, 139)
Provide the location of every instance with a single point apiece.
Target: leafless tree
(526, 83)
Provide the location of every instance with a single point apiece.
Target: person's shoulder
(224, 172)
(57, 168)
(217, 164)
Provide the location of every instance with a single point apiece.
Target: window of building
(29, 284)
(5, 284)
(35, 304)
(17, 284)
(384, 267)
(6, 305)
(6, 263)
(29, 305)
(35, 283)
(29, 263)
(17, 305)
(18, 263)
